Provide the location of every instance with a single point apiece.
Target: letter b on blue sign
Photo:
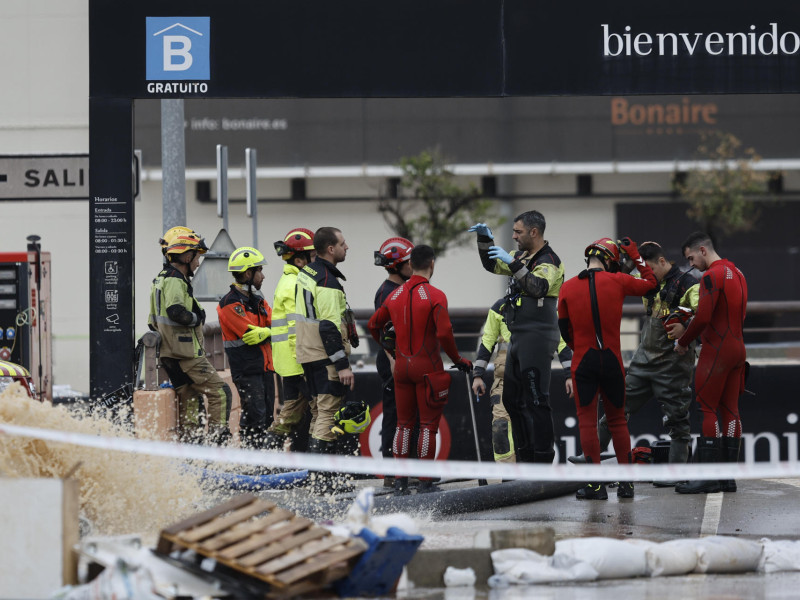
(178, 48)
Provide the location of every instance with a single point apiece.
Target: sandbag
(121, 581)
(781, 555)
(454, 577)
(525, 567)
(609, 557)
(676, 557)
(721, 554)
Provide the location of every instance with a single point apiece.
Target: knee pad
(501, 441)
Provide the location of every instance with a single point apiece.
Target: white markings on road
(711, 514)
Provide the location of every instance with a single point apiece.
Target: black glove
(389, 338)
(350, 326)
(629, 247)
(201, 316)
(463, 365)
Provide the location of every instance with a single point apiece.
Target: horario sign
(413, 48)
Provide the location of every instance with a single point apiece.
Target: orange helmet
(182, 239)
(394, 252)
(297, 240)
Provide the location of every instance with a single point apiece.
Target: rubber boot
(347, 445)
(426, 486)
(273, 441)
(401, 486)
(388, 481)
(592, 491)
(678, 454)
(731, 447)
(325, 482)
(544, 457)
(219, 436)
(625, 489)
(709, 450)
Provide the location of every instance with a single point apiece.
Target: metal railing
(468, 324)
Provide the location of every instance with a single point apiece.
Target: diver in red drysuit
(720, 371)
(418, 312)
(589, 315)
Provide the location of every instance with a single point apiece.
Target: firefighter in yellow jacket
(297, 249)
(177, 316)
(325, 333)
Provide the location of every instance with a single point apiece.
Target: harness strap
(598, 327)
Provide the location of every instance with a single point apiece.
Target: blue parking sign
(178, 48)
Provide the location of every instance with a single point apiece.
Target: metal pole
(222, 184)
(252, 196)
(474, 424)
(173, 164)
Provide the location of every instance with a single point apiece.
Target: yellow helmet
(182, 239)
(353, 417)
(245, 258)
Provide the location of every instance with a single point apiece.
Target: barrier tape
(446, 469)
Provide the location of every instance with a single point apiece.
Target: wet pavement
(759, 509)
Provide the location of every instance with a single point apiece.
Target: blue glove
(482, 229)
(498, 252)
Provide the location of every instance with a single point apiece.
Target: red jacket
(419, 314)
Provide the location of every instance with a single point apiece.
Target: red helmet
(394, 252)
(605, 249)
(297, 240)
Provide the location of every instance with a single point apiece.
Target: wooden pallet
(257, 538)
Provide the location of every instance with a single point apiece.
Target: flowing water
(119, 492)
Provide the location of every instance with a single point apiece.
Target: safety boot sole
(592, 491)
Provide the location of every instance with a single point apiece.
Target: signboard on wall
(445, 48)
(44, 177)
(414, 48)
(378, 131)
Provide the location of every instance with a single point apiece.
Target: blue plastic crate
(381, 565)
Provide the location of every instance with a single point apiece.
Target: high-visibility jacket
(496, 336)
(236, 312)
(321, 304)
(495, 333)
(533, 286)
(176, 315)
(284, 336)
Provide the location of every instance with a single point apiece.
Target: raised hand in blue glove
(482, 229)
(498, 252)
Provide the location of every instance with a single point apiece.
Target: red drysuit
(418, 312)
(590, 322)
(719, 376)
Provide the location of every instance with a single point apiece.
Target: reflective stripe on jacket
(284, 336)
(170, 299)
(495, 332)
(236, 312)
(320, 304)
